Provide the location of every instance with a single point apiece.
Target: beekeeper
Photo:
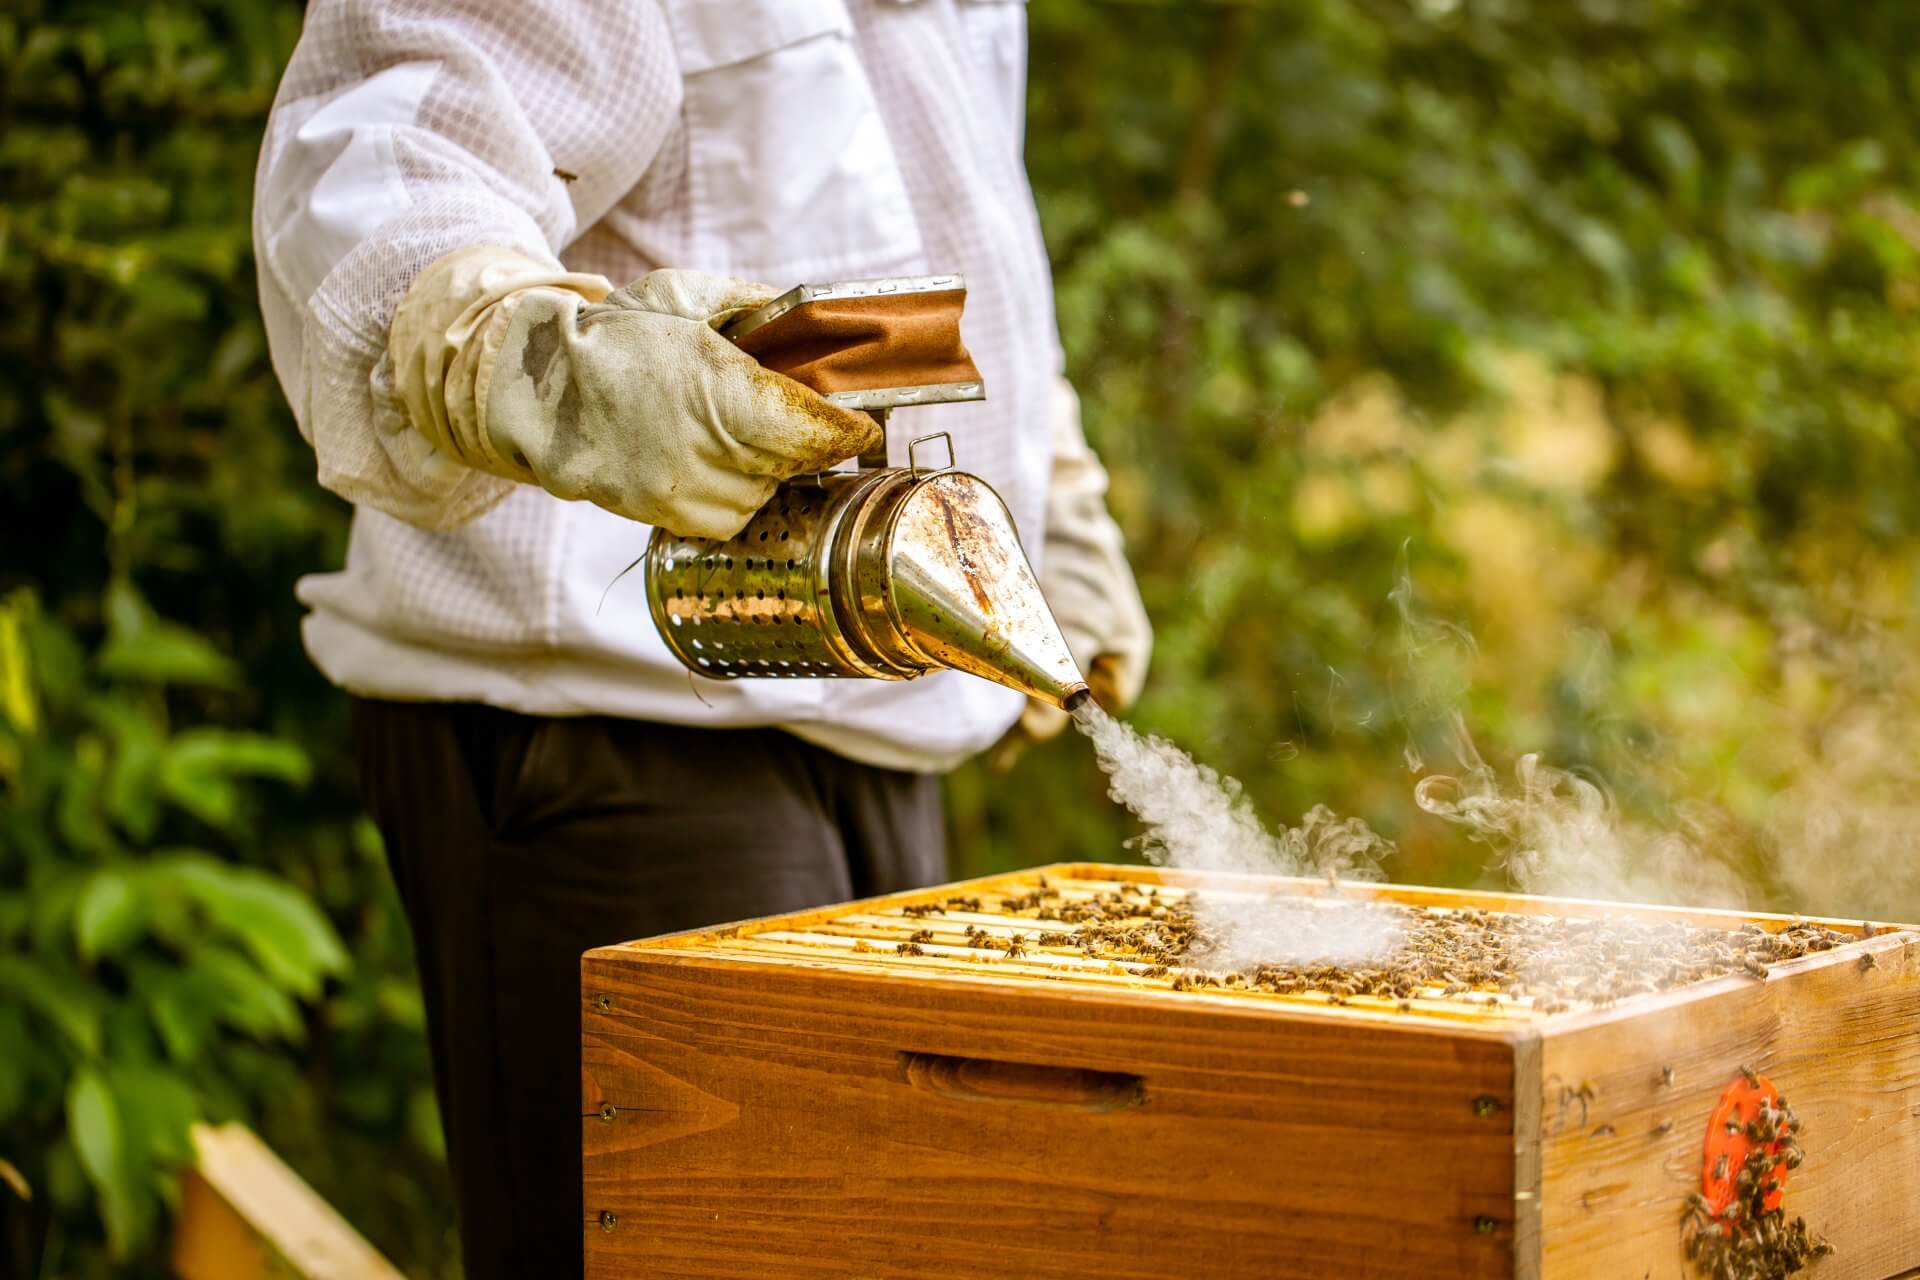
(448, 196)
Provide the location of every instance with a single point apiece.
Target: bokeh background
(1546, 369)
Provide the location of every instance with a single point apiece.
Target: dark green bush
(183, 870)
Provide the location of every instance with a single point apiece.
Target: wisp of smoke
(1559, 833)
(1553, 831)
(1196, 820)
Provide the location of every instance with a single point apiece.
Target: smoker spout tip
(1076, 698)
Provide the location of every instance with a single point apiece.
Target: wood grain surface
(1841, 1041)
(753, 1120)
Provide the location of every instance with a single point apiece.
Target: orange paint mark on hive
(1735, 1130)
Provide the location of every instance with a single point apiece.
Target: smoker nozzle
(1076, 698)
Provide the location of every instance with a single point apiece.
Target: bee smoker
(885, 572)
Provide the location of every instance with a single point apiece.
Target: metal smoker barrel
(885, 572)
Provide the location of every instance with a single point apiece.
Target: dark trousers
(519, 842)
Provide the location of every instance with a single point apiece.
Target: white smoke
(1197, 820)
(1559, 833)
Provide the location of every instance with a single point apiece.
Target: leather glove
(626, 398)
(1088, 585)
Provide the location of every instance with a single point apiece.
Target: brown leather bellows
(865, 343)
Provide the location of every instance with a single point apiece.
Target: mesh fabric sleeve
(403, 131)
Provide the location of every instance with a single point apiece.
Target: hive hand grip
(991, 1080)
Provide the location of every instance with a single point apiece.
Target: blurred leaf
(423, 1123)
(16, 677)
(71, 1007)
(141, 646)
(184, 1009)
(66, 1181)
(200, 768)
(93, 1122)
(283, 931)
(157, 1108)
(109, 914)
(231, 987)
(1676, 156)
(132, 789)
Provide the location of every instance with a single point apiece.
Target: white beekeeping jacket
(776, 140)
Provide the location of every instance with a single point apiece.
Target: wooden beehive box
(795, 1097)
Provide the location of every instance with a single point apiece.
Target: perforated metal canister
(760, 604)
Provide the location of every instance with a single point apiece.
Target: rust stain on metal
(963, 547)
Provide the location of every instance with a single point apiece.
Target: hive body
(902, 1088)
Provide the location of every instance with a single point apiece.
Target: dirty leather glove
(1088, 584)
(627, 398)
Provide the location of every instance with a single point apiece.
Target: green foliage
(1590, 326)
(194, 920)
(1598, 324)
(133, 963)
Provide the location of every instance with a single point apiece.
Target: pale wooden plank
(244, 1215)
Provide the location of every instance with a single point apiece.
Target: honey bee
(909, 949)
(1720, 1167)
(1753, 967)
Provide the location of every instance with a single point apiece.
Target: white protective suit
(773, 140)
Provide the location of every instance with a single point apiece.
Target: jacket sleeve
(406, 129)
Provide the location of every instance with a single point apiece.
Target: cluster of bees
(1467, 953)
(1747, 1240)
